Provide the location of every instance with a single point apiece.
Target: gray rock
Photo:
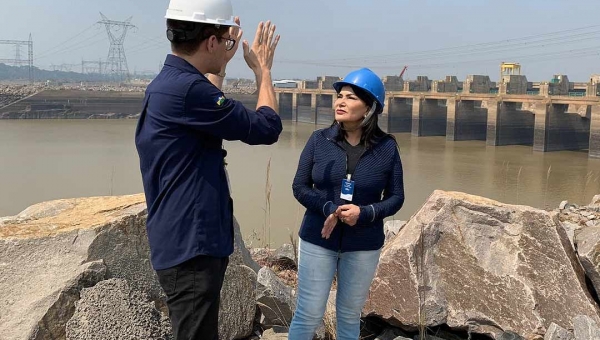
(321, 332)
(426, 337)
(392, 334)
(112, 310)
(49, 244)
(555, 332)
(241, 255)
(595, 202)
(510, 336)
(563, 204)
(274, 299)
(280, 329)
(270, 334)
(330, 318)
(585, 328)
(238, 302)
(261, 255)
(471, 261)
(52, 324)
(571, 228)
(447, 335)
(588, 249)
(53, 249)
(285, 256)
(392, 228)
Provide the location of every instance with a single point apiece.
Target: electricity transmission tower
(90, 66)
(116, 63)
(18, 61)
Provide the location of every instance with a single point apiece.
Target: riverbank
(462, 266)
(85, 102)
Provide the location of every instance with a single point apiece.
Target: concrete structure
(422, 84)
(559, 85)
(393, 83)
(513, 84)
(545, 121)
(309, 84)
(450, 84)
(478, 84)
(326, 82)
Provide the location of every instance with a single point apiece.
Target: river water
(42, 160)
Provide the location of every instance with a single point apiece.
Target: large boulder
(474, 263)
(392, 228)
(585, 328)
(595, 204)
(285, 256)
(238, 302)
(275, 300)
(588, 248)
(52, 250)
(555, 332)
(112, 310)
(270, 334)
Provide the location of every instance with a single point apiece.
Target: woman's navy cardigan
(378, 190)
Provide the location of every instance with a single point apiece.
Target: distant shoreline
(82, 104)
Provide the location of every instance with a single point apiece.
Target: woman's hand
(330, 223)
(348, 214)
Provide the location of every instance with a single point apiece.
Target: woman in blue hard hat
(349, 178)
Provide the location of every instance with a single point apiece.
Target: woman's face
(348, 107)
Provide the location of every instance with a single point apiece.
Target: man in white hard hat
(179, 141)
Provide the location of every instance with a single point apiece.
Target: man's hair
(190, 46)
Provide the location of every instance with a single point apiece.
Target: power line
(68, 40)
(489, 45)
(73, 47)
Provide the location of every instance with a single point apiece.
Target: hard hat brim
(229, 22)
(337, 86)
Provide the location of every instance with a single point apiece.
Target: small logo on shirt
(220, 100)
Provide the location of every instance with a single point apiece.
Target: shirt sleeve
(302, 186)
(393, 195)
(208, 110)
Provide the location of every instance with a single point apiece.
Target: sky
(434, 38)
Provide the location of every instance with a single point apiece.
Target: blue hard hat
(364, 79)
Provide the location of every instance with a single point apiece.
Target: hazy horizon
(433, 38)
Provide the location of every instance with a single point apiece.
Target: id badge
(347, 189)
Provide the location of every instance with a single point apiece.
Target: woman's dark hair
(204, 31)
(371, 132)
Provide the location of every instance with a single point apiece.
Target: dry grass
(546, 187)
(518, 180)
(267, 225)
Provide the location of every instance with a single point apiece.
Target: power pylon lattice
(116, 63)
(18, 61)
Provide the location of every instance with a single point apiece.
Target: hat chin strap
(368, 115)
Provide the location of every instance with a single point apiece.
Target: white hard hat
(216, 12)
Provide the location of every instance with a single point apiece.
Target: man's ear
(212, 43)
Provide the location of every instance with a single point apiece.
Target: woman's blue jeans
(316, 269)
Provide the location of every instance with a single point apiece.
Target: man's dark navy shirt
(179, 141)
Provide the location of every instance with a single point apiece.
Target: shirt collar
(181, 64)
